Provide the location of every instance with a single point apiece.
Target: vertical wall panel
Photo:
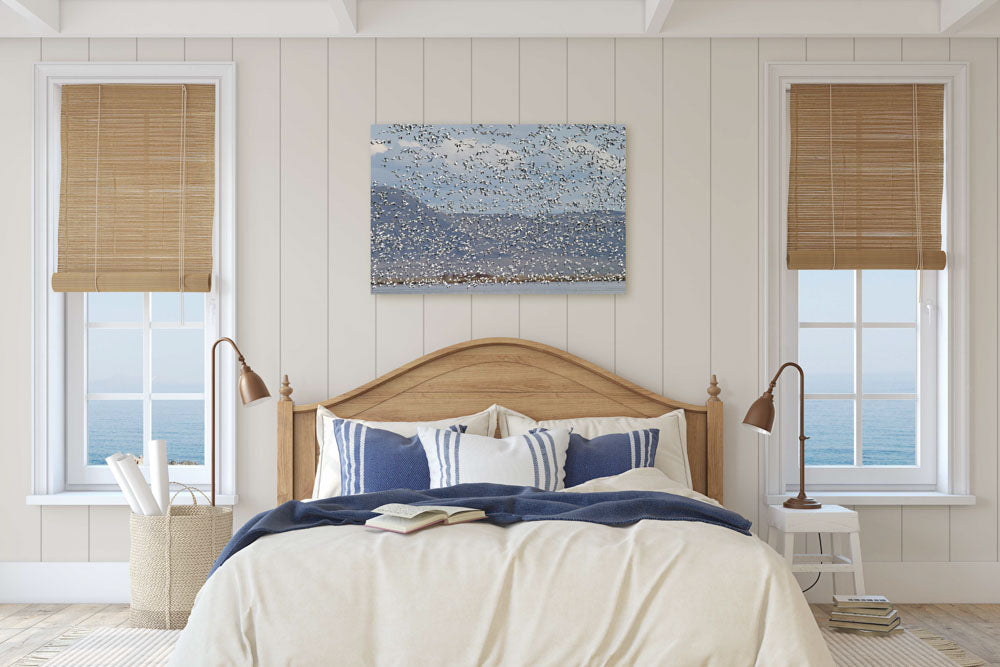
(108, 537)
(926, 48)
(830, 48)
(590, 98)
(208, 49)
(112, 48)
(735, 237)
(974, 529)
(877, 49)
(156, 48)
(495, 100)
(881, 533)
(65, 531)
(687, 202)
(352, 305)
(447, 99)
(258, 262)
(77, 48)
(925, 534)
(399, 99)
(304, 261)
(639, 312)
(543, 100)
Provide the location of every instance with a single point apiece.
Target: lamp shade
(760, 416)
(252, 388)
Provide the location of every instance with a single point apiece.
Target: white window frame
(50, 482)
(945, 311)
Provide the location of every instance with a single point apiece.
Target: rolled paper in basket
(112, 462)
(158, 474)
(147, 503)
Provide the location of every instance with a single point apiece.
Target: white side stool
(832, 519)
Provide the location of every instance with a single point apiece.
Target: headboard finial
(286, 389)
(713, 389)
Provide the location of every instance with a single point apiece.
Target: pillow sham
(373, 459)
(327, 483)
(671, 452)
(532, 459)
(611, 454)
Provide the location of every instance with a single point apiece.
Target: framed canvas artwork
(519, 209)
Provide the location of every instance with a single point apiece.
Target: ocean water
(116, 426)
(888, 432)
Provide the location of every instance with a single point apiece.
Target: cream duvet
(540, 593)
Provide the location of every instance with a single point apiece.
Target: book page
(406, 511)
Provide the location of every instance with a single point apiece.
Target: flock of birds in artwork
(502, 207)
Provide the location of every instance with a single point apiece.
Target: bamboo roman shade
(137, 194)
(866, 176)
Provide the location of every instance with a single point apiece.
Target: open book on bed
(402, 518)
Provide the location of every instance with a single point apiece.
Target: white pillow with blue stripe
(533, 459)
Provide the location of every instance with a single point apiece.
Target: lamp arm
(242, 361)
(238, 353)
(801, 498)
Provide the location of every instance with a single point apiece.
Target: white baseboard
(64, 582)
(957, 582)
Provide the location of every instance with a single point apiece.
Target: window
(861, 339)
(140, 359)
(884, 350)
(115, 369)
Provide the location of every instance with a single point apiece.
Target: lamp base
(802, 504)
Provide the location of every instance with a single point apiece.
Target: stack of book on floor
(864, 613)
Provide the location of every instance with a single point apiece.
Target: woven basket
(170, 559)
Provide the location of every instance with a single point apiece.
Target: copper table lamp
(760, 418)
(252, 390)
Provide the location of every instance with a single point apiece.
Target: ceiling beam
(346, 12)
(43, 14)
(958, 14)
(656, 15)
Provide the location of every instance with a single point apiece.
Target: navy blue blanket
(503, 505)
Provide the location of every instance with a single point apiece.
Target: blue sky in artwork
(513, 169)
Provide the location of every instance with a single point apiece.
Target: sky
(527, 169)
(115, 355)
(888, 357)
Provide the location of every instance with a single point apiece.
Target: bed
(546, 592)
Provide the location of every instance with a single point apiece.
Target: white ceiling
(475, 18)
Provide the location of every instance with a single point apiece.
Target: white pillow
(671, 452)
(327, 482)
(535, 459)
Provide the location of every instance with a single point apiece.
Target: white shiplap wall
(691, 108)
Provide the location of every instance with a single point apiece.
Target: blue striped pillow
(610, 454)
(372, 459)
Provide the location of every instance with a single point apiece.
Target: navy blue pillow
(372, 459)
(610, 454)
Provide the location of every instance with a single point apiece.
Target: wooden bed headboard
(538, 380)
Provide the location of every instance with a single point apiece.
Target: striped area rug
(914, 648)
(100, 647)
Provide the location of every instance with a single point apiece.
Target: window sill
(881, 498)
(115, 498)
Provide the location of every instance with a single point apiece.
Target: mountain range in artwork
(498, 208)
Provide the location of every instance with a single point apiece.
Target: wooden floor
(974, 627)
(26, 627)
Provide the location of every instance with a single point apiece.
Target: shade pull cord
(916, 183)
(833, 205)
(97, 186)
(180, 243)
